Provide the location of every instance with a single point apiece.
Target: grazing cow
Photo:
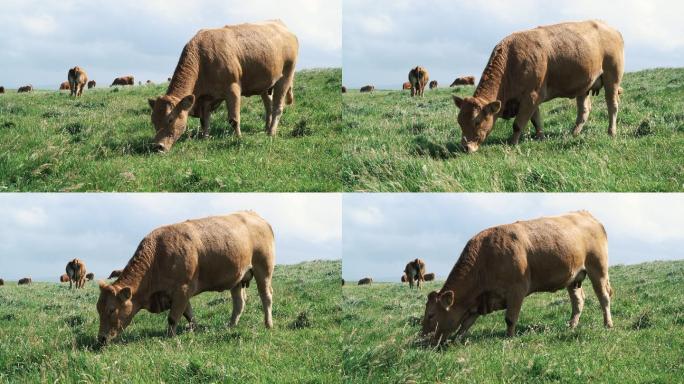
(176, 262)
(92, 84)
(224, 64)
(406, 85)
(434, 84)
(65, 86)
(418, 77)
(64, 278)
(2, 282)
(414, 271)
(25, 88)
(77, 80)
(530, 67)
(429, 276)
(25, 281)
(465, 80)
(76, 271)
(123, 80)
(365, 281)
(502, 265)
(149, 82)
(90, 276)
(2, 89)
(344, 89)
(115, 273)
(367, 88)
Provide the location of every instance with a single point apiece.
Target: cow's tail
(289, 96)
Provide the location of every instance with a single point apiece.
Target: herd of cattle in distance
(502, 265)
(76, 275)
(218, 65)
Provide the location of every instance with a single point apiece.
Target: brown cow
(344, 89)
(365, 281)
(123, 80)
(406, 85)
(224, 64)
(76, 271)
(25, 281)
(367, 88)
(2, 89)
(65, 86)
(77, 80)
(434, 84)
(429, 276)
(502, 265)
(90, 276)
(465, 80)
(115, 273)
(149, 82)
(25, 88)
(176, 262)
(92, 84)
(414, 271)
(418, 77)
(530, 67)
(64, 278)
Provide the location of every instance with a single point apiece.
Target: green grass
(100, 142)
(47, 334)
(398, 143)
(381, 345)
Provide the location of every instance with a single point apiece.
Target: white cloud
(364, 216)
(30, 217)
(39, 25)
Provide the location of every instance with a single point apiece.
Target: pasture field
(381, 324)
(398, 143)
(48, 334)
(101, 142)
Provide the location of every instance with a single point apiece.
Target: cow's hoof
(540, 136)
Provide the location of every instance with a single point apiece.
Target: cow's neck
(490, 86)
(186, 73)
(464, 276)
(137, 270)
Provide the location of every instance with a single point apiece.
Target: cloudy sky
(383, 39)
(382, 232)
(41, 39)
(40, 233)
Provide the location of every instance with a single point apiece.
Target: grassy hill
(381, 324)
(100, 142)
(47, 334)
(398, 143)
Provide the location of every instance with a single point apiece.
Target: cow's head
(476, 119)
(439, 315)
(170, 118)
(115, 309)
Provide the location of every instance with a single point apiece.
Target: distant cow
(169, 79)
(149, 82)
(433, 84)
(414, 271)
(76, 271)
(25, 281)
(64, 278)
(25, 88)
(2, 282)
(115, 273)
(92, 84)
(502, 265)
(465, 80)
(64, 86)
(406, 85)
(429, 276)
(123, 80)
(343, 282)
(418, 77)
(344, 89)
(367, 88)
(404, 278)
(365, 281)
(2, 89)
(77, 80)
(90, 276)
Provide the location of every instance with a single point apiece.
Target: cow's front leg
(513, 306)
(190, 317)
(205, 117)
(538, 125)
(233, 102)
(179, 303)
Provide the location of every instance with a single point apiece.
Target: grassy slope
(47, 333)
(51, 142)
(396, 143)
(381, 323)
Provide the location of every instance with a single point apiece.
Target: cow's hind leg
(267, 98)
(538, 125)
(612, 102)
(263, 280)
(278, 103)
(601, 285)
(577, 299)
(583, 109)
(233, 103)
(190, 317)
(238, 304)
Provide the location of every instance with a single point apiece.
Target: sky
(40, 233)
(41, 39)
(383, 232)
(384, 39)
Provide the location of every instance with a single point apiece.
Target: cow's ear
(432, 296)
(187, 102)
(492, 108)
(124, 294)
(458, 101)
(151, 102)
(446, 299)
